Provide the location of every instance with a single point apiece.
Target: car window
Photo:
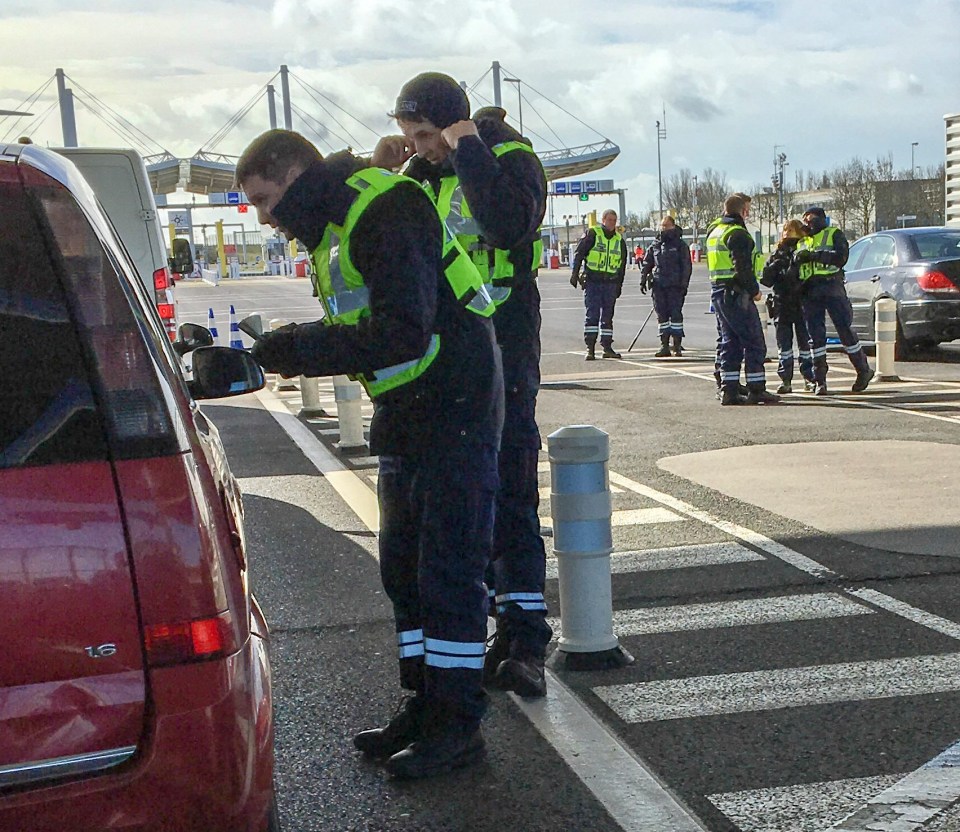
(937, 246)
(856, 251)
(881, 253)
(48, 412)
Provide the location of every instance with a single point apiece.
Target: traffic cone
(212, 325)
(236, 341)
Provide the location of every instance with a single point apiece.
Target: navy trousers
(788, 323)
(741, 337)
(668, 304)
(829, 297)
(436, 526)
(599, 297)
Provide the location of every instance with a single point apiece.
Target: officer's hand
(758, 296)
(276, 351)
(391, 152)
(803, 255)
(456, 131)
(643, 287)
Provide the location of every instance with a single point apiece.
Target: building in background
(952, 178)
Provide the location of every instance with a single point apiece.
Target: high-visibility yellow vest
(346, 299)
(719, 259)
(607, 254)
(821, 241)
(494, 264)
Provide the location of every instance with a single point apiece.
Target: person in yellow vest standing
(407, 315)
(602, 256)
(821, 257)
(491, 191)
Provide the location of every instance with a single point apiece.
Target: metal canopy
(576, 161)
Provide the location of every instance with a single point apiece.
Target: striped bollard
(582, 541)
(281, 383)
(349, 418)
(885, 327)
(212, 326)
(236, 341)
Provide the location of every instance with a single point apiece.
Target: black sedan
(917, 267)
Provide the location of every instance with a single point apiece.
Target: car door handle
(875, 278)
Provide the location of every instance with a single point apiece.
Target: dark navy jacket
(668, 260)
(396, 246)
(507, 197)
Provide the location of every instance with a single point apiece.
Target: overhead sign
(180, 220)
(242, 209)
(233, 197)
(583, 186)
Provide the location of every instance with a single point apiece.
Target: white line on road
(674, 557)
(763, 690)
(741, 613)
(765, 544)
(925, 619)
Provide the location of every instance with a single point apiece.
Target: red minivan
(135, 688)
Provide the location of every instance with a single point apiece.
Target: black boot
(758, 395)
(591, 353)
(664, 351)
(677, 349)
(610, 352)
(447, 742)
(403, 729)
(523, 674)
(863, 379)
(497, 651)
(786, 386)
(730, 395)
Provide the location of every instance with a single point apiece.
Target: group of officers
(805, 272)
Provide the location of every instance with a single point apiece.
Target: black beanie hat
(816, 209)
(435, 97)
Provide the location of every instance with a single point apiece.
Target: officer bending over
(396, 292)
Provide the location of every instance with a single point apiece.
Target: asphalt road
(786, 577)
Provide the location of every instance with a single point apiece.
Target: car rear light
(161, 279)
(937, 283)
(166, 311)
(190, 641)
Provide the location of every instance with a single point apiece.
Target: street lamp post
(519, 99)
(696, 229)
(912, 168)
(661, 134)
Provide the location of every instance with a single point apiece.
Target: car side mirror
(191, 337)
(219, 372)
(181, 260)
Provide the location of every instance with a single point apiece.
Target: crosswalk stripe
(636, 622)
(632, 517)
(674, 557)
(806, 807)
(788, 688)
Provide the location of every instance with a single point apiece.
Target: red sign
(242, 209)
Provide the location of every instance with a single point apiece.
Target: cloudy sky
(826, 81)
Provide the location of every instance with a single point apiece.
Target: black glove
(276, 351)
(573, 280)
(803, 255)
(643, 287)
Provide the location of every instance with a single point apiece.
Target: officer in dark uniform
(821, 256)
(785, 304)
(667, 268)
(396, 291)
(730, 261)
(491, 191)
(602, 253)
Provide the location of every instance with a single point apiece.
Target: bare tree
(678, 197)
(765, 208)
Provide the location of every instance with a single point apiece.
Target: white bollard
(281, 383)
(583, 540)
(885, 327)
(349, 417)
(310, 393)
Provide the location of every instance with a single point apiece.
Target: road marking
(897, 607)
(620, 780)
(760, 541)
(348, 485)
(806, 807)
(911, 802)
(763, 690)
(631, 517)
(741, 613)
(675, 557)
